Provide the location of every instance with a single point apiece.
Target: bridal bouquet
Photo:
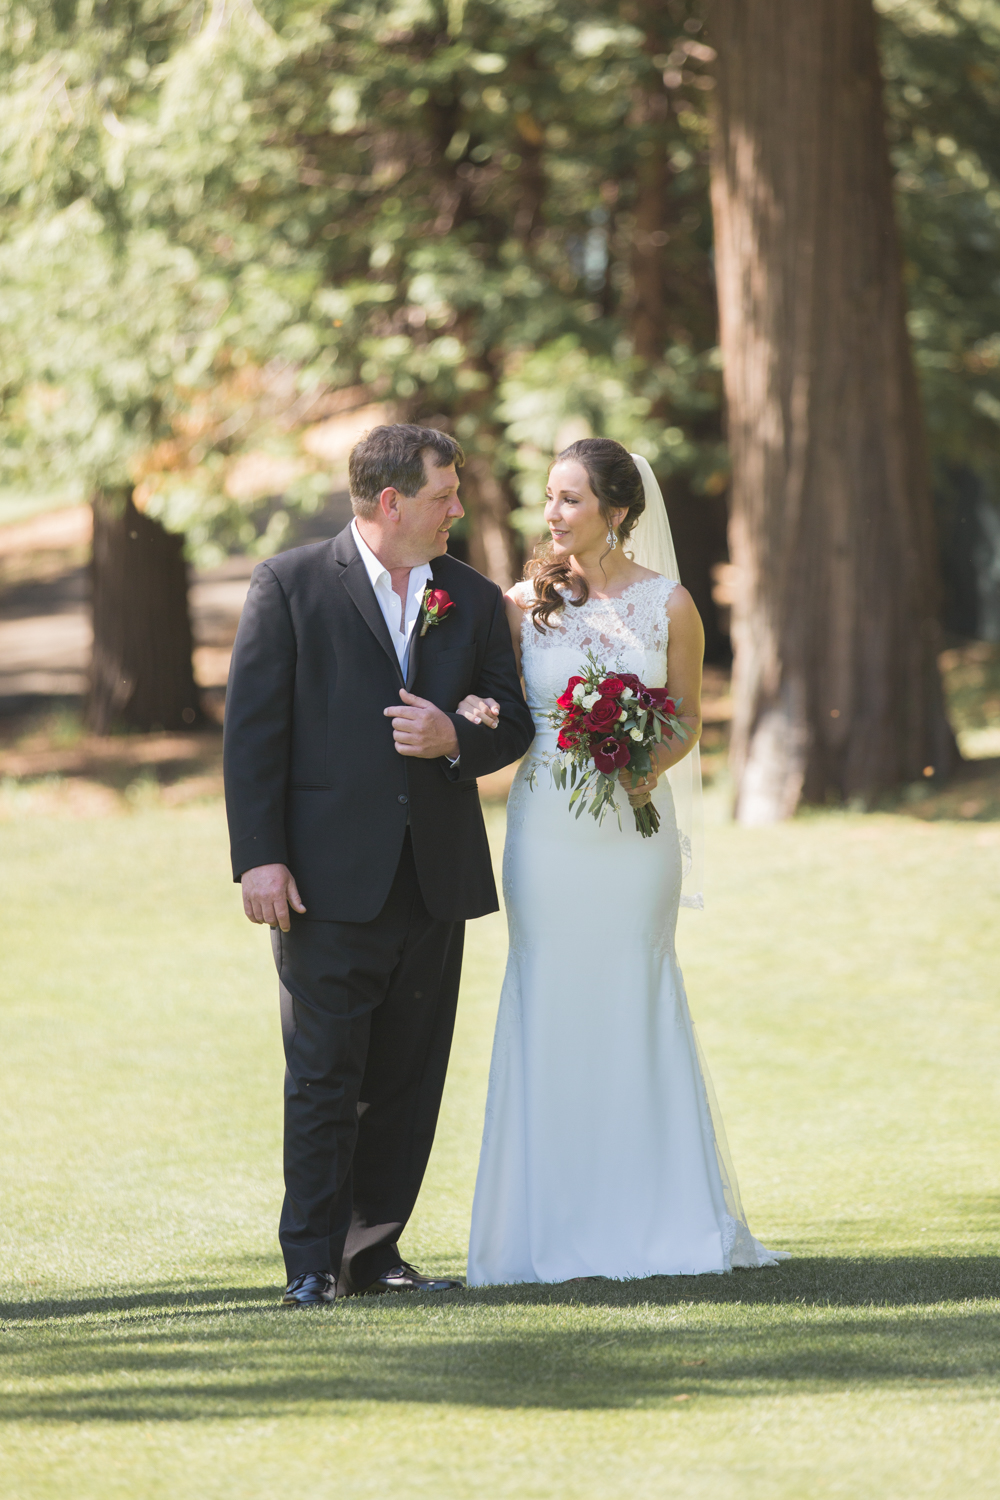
(607, 721)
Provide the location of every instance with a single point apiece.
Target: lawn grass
(844, 978)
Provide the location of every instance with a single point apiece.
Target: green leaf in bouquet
(640, 763)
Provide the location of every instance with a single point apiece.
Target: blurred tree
(941, 64)
(97, 300)
(836, 687)
(939, 61)
(223, 227)
(498, 218)
(210, 250)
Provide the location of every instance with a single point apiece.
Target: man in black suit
(358, 838)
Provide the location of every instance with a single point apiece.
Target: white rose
(578, 692)
(589, 701)
(627, 693)
(636, 734)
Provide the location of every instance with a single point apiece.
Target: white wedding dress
(602, 1154)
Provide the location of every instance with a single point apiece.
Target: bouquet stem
(647, 819)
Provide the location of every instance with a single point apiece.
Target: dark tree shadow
(150, 1301)
(176, 1354)
(823, 1281)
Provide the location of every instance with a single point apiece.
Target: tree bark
(493, 545)
(836, 688)
(649, 314)
(141, 672)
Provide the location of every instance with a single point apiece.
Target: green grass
(844, 978)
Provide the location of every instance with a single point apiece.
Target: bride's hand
(640, 789)
(480, 710)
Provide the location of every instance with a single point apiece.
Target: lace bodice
(629, 634)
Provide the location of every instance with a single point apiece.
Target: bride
(602, 1152)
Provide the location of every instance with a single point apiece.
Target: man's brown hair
(393, 457)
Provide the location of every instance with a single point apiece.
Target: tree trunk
(141, 673)
(493, 545)
(649, 315)
(836, 687)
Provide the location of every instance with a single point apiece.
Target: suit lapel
(416, 646)
(355, 579)
(418, 642)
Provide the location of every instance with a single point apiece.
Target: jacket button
(402, 798)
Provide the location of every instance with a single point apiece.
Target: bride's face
(573, 511)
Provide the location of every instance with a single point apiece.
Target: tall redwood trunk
(141, 672)
(836, 687)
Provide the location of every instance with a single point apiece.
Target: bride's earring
(611, 539)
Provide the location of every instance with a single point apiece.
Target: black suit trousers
(367, 1012)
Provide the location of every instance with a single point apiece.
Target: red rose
(630, 680)
(603, 714)
(565, 699)
(609, 754)
(434, 606)
(568, 737)
(438, 602)
(611, 687)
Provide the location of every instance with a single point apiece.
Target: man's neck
(380, 544)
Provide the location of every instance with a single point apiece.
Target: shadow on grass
(819, 1281)
(147, 1302)
(231, 1353)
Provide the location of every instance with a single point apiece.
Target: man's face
(426, 517)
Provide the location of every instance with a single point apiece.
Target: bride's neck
(603, 573)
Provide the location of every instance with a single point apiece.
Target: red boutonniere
(434, 606)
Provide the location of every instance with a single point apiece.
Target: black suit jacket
(313, 779)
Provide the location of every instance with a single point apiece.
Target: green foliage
(941, 61)
(216, 223)
(212, 221)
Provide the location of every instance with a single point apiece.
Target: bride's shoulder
(670, 588)
(679, 601)
(645, 575)
(672, 595)
(521, 595)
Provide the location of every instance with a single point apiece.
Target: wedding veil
(652, 546)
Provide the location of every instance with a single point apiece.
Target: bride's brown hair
(617, 483)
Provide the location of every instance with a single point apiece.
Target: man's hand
(421, 729)
(268, 892)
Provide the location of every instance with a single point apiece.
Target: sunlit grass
(844, 981)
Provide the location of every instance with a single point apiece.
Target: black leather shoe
(405, 1278)
(314, 1289)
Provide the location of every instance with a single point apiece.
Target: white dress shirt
(399, 620)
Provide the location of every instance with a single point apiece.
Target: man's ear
(389, 504)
